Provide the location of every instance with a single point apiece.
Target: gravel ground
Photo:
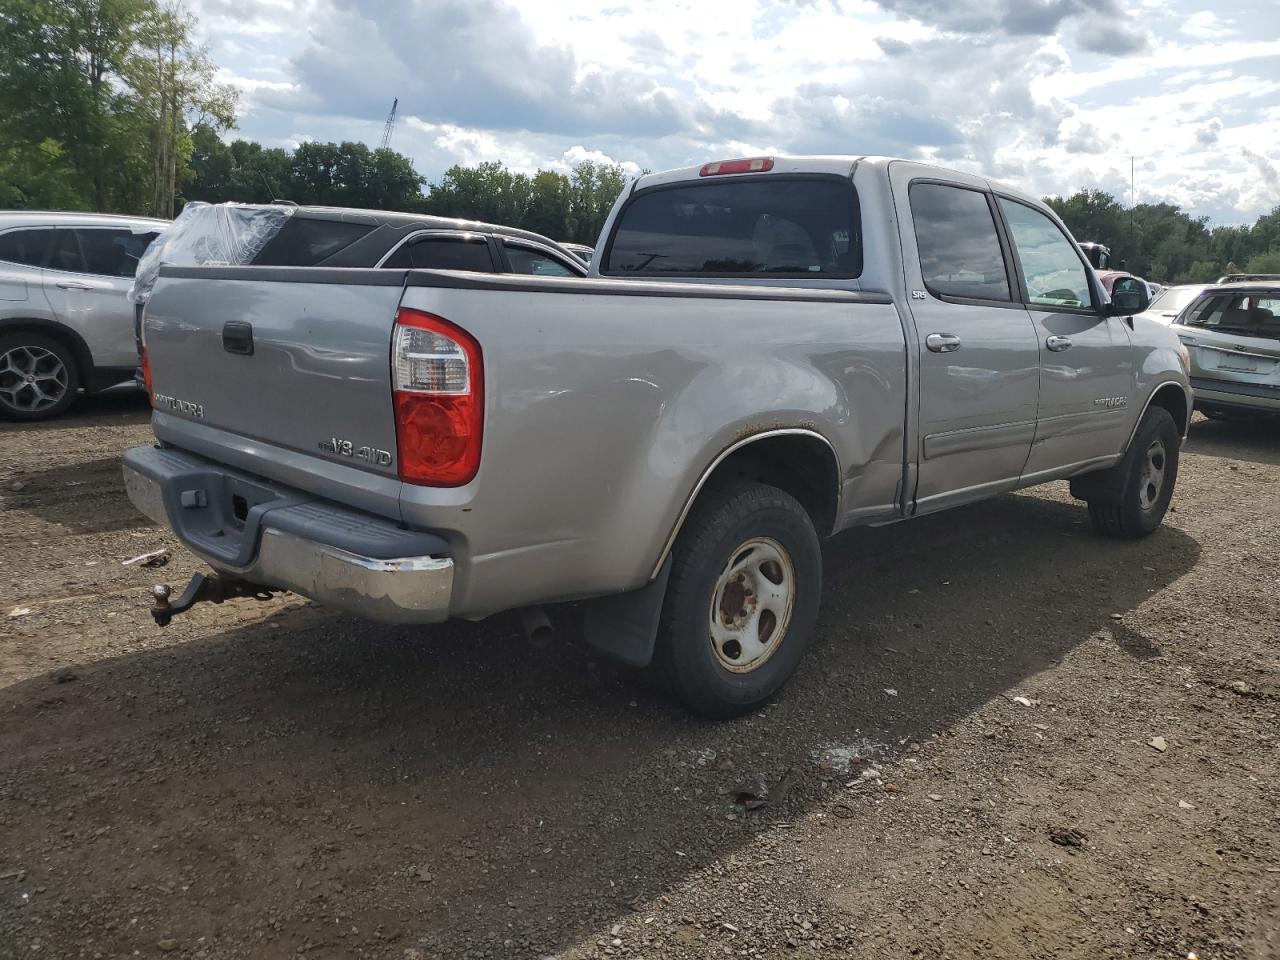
(1013, 739)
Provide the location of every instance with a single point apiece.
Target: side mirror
(1127, 301)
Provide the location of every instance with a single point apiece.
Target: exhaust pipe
(537, 628)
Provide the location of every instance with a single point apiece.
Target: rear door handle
(1058, 344)
(942, 342)
(72, 285)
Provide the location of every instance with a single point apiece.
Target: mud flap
(624, 626)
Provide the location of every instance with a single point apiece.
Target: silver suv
(65, 324)
(1233, 333)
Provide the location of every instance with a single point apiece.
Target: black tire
(27, 355)
(1128, 501)
(765, 528)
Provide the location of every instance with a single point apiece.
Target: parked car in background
(1115, 281)
(1233, 334)
(65, 325)
(1171, 301)
(286, 235)
(581, 251)
(767, 351)
(1099, 256)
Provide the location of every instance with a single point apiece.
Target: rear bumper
(1244, 396)
(284, 539)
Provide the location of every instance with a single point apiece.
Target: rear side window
(959, 247)
(798, 227)
(531, 262)
(25, 246)
(305, 242)
(113, 253)
(442, 253)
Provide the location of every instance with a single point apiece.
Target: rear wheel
(38, 377)
(1130, 500)
(742, 601)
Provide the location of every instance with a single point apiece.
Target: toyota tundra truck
(766, 352)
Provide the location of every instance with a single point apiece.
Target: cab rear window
(766, 226)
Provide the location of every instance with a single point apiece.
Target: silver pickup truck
(767, 351)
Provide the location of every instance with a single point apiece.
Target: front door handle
(1058, 344)
(72, 285)
(942, 342)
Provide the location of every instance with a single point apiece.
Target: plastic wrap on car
(209, 234)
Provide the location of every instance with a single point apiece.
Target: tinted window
(304, 242)
(438, 253)
(113, 253)
(25, 246)
(959, 248)
(1248, 314)
(524, 260)
(768, 226)
(65, 253)
(1050, 261)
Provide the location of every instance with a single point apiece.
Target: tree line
(562, 206)
(1159, 241)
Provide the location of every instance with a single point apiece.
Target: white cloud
(1052, 96)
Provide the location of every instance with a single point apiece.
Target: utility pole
(1132, 192)
(390, 125)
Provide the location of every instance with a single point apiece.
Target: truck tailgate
(297, 359)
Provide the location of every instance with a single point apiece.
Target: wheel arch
(798, 460)
(1171, 396)
(57, 331)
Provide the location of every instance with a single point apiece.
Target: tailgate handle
(237, 337)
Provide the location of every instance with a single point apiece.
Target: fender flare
(719, 459)
(1187, 396)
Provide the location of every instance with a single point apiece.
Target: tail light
(437, 379)
(146, 376)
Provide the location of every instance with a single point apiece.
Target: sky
(1052, 96)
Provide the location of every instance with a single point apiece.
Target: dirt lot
(963, 768)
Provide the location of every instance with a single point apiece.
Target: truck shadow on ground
(83, 497)
(458, 791)
(1257, 441)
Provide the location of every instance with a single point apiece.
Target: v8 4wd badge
(345, 448)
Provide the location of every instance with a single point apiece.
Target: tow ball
(210, 589)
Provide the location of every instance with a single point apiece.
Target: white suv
(65, 324)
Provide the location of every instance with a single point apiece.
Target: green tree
(1268, 262)
(176, 87)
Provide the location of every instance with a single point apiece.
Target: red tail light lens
(749, 165)
(437, 379)
(146, 376)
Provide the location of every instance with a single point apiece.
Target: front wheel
(742, 601)
(1130, 500)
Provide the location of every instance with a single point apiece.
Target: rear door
(89, 271)
(979, 366)
(1087, 379)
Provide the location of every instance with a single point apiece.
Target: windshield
(1173, 299)
(1247, 314)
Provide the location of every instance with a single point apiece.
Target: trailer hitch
(211, 589)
